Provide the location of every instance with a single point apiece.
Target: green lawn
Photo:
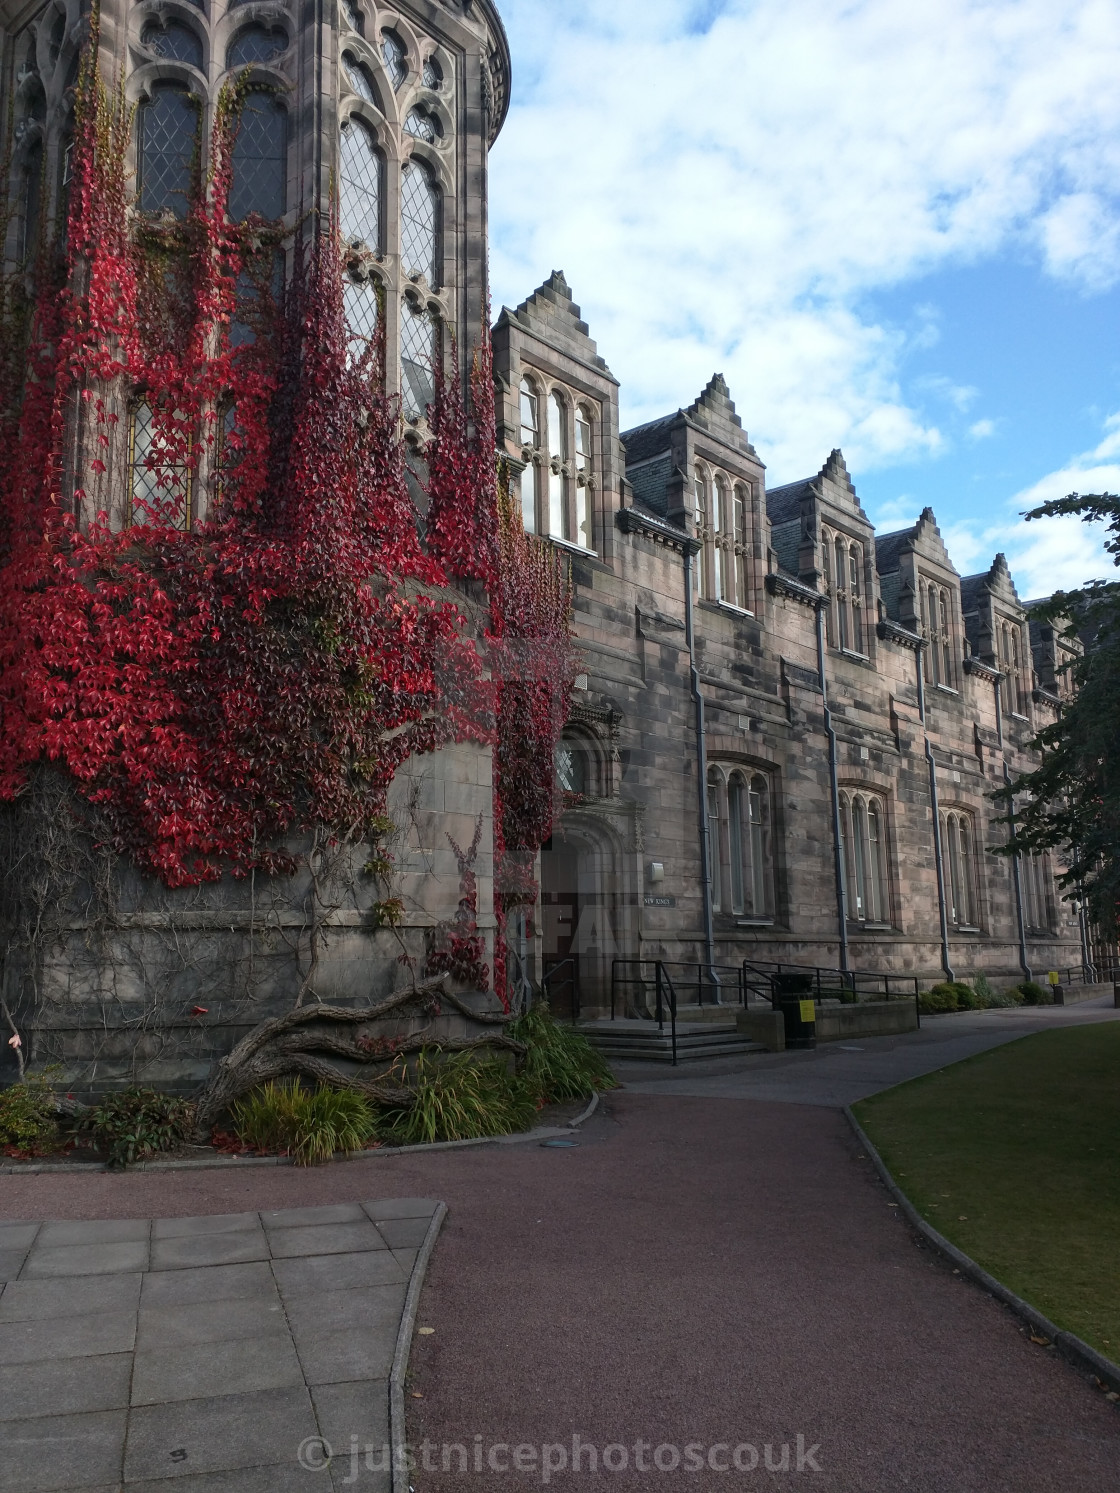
(1015, 1156)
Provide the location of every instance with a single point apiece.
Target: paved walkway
(839, 1073)
(697, 1277)
(197, 1354)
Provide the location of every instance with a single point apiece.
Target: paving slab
(65, 1386)
(63, 1451)
(193, 1250)
(85, 1259)
(11, 1263)
(196, 1354)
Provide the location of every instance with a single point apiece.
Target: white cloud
(723, 183)
(1048, 554)
(980, 430)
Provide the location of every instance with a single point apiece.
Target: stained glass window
(422, 125)
(393, 56)
(359, 182)
(418, 359)
(175, 41)
(168, 151)
(256, 44)
(433, 73)
(260, 164)
(359, 80)
(419, 219)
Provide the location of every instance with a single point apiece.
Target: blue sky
(894, 228)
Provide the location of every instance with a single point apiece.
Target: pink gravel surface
(705, 1273)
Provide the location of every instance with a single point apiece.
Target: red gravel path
(705, 1271)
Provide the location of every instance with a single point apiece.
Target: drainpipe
(1018, 883)
(837, 852)
(939, 863)
(702, 780)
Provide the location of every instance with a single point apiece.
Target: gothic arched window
(739, 539)
(957, 842)
(260, 158)
(177, 41)
(584, 469)
(433, 74)
(31, 196)
(422, 125)
(740, 844)
(419, 359)
(256, 43)
(571, 768)
(393, 56)
(1038, 903)
(359, 186)
(353, 17)
(168, 150)
(863, 859)
(830, 624)
(703, 532)
(357, 75)
(359, 300)
(557, 477)
(419, 222)
(855, 596)
(159, 482)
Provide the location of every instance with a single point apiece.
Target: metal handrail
(731, 978)
(825, 982)
(662, 980)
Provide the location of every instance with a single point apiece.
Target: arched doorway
(580, 914)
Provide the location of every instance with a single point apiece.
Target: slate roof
(783, 504)
(651, 439)
(650, 482)
(889, 548)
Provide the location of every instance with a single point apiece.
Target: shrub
(1012, 997)
(463, 1097)
(933, 1002)
(561, 1063)
(309, 1124)
(1036, 995)
(137, 1123)
(28, 1121)
(985, 995)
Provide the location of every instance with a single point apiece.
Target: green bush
(137, 1123)
(309, 1124)
(463, 1097)
(561, 1063)
(1036, 995)
(28, 1120)
(985, 995)
(949, 995)
(1012, 997)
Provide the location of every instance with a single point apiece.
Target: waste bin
(793, 997)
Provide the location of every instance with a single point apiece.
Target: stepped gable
(995, 581)
(649, 449)
(552, 314)
(924, 535)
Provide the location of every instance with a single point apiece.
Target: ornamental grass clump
(310, 1125)
(28, 1119)
(560, 1062)
(463, 1097)
(136, 1123)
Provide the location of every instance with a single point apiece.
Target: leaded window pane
(359, 183)
(735, 813)
(571, 768)
(256, 44)
(433, 73)
(528, 485)
(359, 299)
(419, 217)
(159, 486)
(169, 124)
(260, 164)
(418, 360)
(422, 125)
(175, 41)
(353, 16)
(359, 79)
(530, 430)
(393, 55)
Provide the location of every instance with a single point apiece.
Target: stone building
(785, 730)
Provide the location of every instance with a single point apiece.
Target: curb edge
(398, 1437)
(1072, 1348)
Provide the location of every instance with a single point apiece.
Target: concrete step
(641, 1042)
